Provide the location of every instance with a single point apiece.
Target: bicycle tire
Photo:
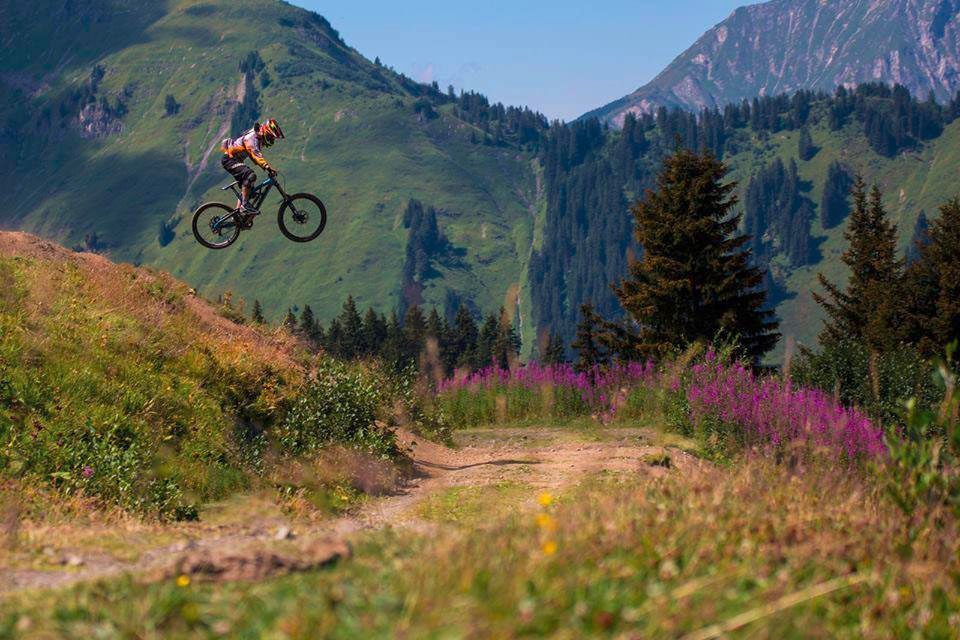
(286, 206)
(196, 220)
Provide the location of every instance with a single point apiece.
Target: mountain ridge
(781, 46)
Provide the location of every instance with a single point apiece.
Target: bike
(301, 216)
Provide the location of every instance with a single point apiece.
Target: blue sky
(562, 57)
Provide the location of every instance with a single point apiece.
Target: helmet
(270, 131)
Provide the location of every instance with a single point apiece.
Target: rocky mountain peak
(785, 45)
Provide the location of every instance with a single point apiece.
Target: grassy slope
(350, 141)
(120, 370)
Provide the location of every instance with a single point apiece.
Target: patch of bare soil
(547, 459)
(264, 544)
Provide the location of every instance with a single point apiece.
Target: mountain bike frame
(259, 192)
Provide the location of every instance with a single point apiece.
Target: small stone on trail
(283, 533)
(72, 561)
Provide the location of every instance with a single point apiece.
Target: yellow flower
(183, 581)
(545, 522)
(549, 547)
(545, 499)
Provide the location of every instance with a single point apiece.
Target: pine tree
(805, 147)
(506, 347)
(351, 345)
(308, 323)
(555, 352)
(486, 343)
(374, 333)
(945, 253)
(835, 204)
(393, 344)
(414, 332)
(436, 330)
(695, 280)
(258, 312)
(871, 309)
(334, 341)
(434, 325)
(919, 239)
(934, 284)
(290, 321)
(465, 334)
(588, 345)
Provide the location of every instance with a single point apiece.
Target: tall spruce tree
(805, 147)
(934, 283)
(308, 322)
(257, 315)
(465, 334)
(695, 280)
(835, 202)
(506, 347)
(919, 239)
(486, 343)
(351, 344)
(290, 321)
(554, 351)
(393, 345)
(871, 308)
(334, 340)
(590, 350)
(374, 333)
(414, 333)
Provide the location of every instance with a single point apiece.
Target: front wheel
(215, 226)
(302, 217)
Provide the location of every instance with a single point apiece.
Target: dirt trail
(545, 459)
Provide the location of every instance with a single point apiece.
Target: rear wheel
(302, 217)
(215, 226)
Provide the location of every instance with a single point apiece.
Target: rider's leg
(249, 178)
(244, 176)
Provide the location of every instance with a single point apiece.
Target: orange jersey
(246, 146)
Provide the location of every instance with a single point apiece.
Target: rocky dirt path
(541, 459)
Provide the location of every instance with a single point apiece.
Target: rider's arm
(253, 148)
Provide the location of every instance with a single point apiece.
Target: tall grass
(537, 392)
(751, 551)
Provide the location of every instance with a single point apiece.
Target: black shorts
(240, 172)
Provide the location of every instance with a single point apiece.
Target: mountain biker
(235, 151)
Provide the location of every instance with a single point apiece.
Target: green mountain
(112, 112)
(780, 150)
(782, 46)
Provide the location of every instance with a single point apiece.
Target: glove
(272, 172)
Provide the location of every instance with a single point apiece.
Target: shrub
(922, 473)
(879, 383)
(730, 405)
(341, 403)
